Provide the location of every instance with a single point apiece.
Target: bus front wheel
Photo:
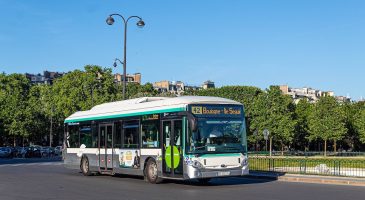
(85, 166)
(204, 181)
(151, 172)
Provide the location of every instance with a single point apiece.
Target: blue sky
(315, 43)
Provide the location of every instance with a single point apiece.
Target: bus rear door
(106, 147)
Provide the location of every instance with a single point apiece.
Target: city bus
(187, 137)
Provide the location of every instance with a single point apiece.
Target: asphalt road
(50, 180)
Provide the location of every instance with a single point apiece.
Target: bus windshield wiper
(200, 147)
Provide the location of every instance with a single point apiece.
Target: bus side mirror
(193, 122)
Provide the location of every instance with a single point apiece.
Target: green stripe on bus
(125, 115)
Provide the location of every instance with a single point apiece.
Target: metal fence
(314, 166)
(308, 153)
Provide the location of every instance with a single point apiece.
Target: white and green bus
(188, 137)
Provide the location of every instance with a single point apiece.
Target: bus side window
(131, 134)
(85, 135)
(73, 138)
(94, 129)
(118, 135)
(150, 134)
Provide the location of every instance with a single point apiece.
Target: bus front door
(172, 158)
(106, 147)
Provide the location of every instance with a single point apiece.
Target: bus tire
(85, 166)
(204, 181)
(151, 172)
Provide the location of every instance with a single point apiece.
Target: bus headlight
(197, 164)
(244, 162)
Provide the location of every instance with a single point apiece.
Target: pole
(266, 146)
(140, 23)
(125, 59)
(270, 146)
(50, 133)
(92, 96)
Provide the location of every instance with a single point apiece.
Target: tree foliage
(302, 111)
(360, 124)
(31, 112)
(13, 107)
(274, 112)
(327, 121)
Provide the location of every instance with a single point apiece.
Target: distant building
(179, 87)
(46, 78)
(343, 99)
(208, 84)
(131, 78)
(35, 78)
(174, 87)
(50, 76)
(312, 95)
(192, 87)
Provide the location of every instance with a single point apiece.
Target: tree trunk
(335, 146)
(325, 148)
(282, 148)
(14, 142)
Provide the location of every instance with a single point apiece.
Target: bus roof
(144, 105)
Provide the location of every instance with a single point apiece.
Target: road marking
(32, 164)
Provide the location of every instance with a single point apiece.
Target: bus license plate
(223, 173)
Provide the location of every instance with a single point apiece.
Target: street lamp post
(110, 21)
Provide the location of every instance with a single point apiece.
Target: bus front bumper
(193, 173)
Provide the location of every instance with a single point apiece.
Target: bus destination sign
(216, 110)
(150, 117)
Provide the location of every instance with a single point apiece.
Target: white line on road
(32, 164)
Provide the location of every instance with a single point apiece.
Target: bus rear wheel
(151, 172)
(85, 166)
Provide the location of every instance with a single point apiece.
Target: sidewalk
(308, 178)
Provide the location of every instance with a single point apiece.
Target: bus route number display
(217, 110)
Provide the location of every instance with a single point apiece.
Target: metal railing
(313, 166)
(308, 153)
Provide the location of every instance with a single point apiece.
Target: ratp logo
(197, 110)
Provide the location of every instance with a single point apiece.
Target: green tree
(327, 122)
(135, 90)
(2, 103)
(351, 111)
(302, 112)
(38, 123)
(359, 123)
(274, 111)
(81, 90)
(13, 99)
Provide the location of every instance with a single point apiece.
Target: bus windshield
(217, 135)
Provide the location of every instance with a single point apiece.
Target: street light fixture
(115, 64)
(110, 21)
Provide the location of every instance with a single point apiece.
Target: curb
(310, 179)
(322, 181)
